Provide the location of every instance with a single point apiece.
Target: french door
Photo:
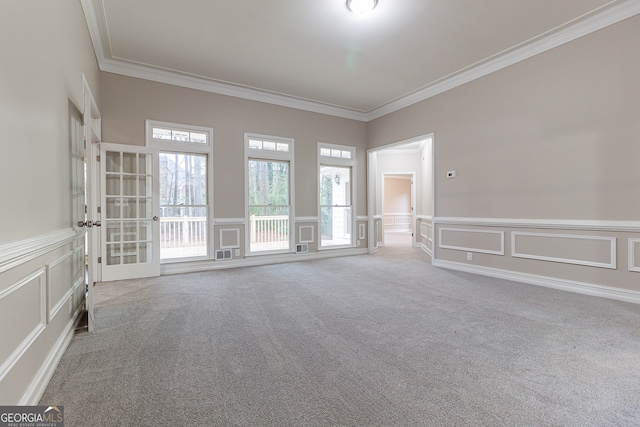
(130, 243)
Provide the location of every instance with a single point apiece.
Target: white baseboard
(39, 384)
(549, 282)
(196, 266)
(424, 248)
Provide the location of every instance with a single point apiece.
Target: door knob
(155, 218)
(89, 224)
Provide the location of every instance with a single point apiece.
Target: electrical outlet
(237, 252)
(469, 256)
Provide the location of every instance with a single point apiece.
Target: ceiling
(318, 56)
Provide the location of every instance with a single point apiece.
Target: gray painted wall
(556, 139)
(45, 50)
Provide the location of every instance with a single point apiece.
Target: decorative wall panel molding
(59, 283)
(579, 249)
(306, 233)
(425, 230)
(492, 242)
(229, 238)
(27, 319)
(634, 251)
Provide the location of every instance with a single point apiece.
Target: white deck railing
(178, 232)
(266, 233)
(269, 232)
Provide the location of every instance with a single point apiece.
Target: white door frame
(372, 172)
(92, 135)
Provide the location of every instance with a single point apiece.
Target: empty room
(340, 212)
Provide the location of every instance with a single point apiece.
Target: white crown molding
(558, 224)
(549, 282)
(601, 18)
(609, 14)
(172, 77)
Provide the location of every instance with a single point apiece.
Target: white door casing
(92, 131)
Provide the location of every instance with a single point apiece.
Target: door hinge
(99, 209)
(97, 158)
(99, 260)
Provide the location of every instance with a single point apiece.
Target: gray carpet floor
(374, 340)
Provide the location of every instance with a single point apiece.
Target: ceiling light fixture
(360, 7)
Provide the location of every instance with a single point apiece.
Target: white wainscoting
(399, 220)
(426, 232)
(569, 244)
(17, 253)
(41, 307)
(574, 243)
(634, 249)
(554, 224)
(497, 239)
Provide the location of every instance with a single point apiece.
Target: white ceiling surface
(318, 54)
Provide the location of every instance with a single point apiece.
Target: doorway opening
(398, 202)
(400, 178)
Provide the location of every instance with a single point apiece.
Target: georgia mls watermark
(31, 416)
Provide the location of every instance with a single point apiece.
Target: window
(269, 207)
(336, 164)
(185, 153)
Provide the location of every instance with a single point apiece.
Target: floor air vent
(302, 248)
(223, 254)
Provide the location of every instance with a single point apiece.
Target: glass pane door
(130, 212)
(183, 205)
(335, 206)
(269, 209)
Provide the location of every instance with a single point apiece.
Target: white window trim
(338, 161)
(164, 145)
(285, 156)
